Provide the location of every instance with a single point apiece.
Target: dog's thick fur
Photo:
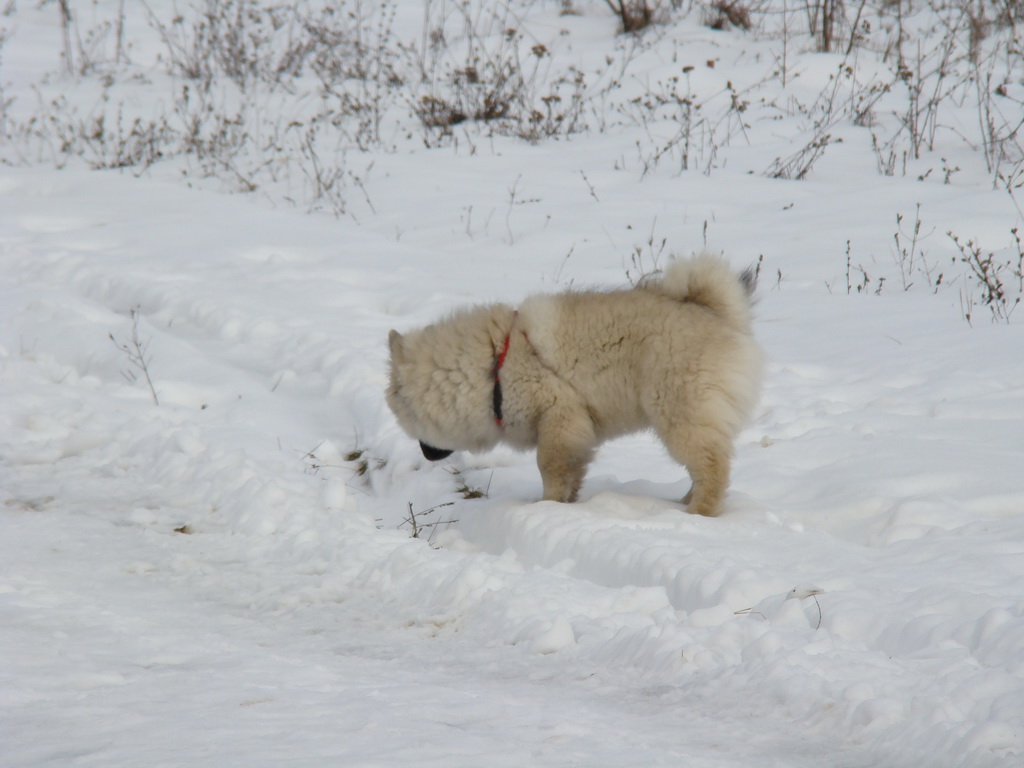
(675, 354)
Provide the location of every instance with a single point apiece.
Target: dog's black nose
(432, 453)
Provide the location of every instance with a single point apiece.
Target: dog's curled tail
(709, 281)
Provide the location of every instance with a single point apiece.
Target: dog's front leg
(565, 446)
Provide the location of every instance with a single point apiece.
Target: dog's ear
(395, 344)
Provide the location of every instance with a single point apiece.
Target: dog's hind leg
(707, 457)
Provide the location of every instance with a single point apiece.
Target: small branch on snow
(418, 527)
(136, 351)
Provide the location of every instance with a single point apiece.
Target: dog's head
(408, 397)
(440, 389)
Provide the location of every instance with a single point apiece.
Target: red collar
(497, 374)
(503, 355)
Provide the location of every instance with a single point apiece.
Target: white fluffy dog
(567, 371)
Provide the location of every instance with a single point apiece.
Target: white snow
(228, 578)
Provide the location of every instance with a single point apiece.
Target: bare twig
(418, 528)
(137, 352)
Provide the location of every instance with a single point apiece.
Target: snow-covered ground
(229, 577)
